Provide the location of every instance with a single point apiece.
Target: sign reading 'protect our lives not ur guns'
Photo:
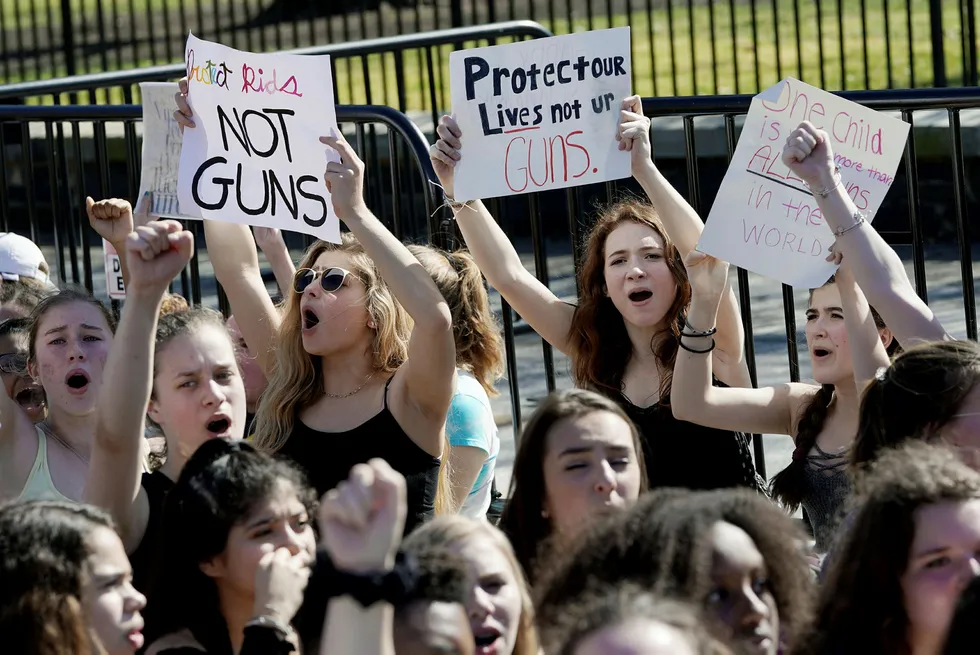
(254, 156)
(540, 114)
(764, 219)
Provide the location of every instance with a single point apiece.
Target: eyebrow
(641, 249)
(932, 551)
(829, 309)
(62, 328)
(266, 520)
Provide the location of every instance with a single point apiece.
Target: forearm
(120, 249)
(867, 351)
(492, 251)
(353, 630)
(232, 251)
(282, 266)
(681, 221)
(401, 271)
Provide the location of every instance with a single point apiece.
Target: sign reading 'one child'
(540, 114)
(254, 156)
(764, 218)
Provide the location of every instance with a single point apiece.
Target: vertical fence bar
(734, 26)
(918, 253)
(864, 43)
(52, 166)
(789, 316)
(541, 271)
(888, 45)
(4, 198)
(962, 227)
(28, 162)
(818, 8)
(843, 52)
(908, 28)
(510, 350)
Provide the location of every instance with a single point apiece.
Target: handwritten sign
(161, 151)
(254, 156)
(764, 218)
(113, 272)
(540, 114)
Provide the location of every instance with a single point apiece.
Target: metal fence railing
(680, 47)
(408, 72)
(53, 156)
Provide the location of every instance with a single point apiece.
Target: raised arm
(112, 219)
(236, 266)
(868, 353)
(877, 268)
(494, 253)
(693, 398)
(430, 372)
(272, 245)
(684, 227)
(157, 252)
(362, 522)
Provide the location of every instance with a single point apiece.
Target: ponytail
(789, 485)
(479, 347)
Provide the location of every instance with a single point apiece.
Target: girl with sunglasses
(362, 364)
(179, 372)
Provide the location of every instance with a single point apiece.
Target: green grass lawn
(655, 60)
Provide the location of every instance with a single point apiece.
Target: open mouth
(486, 637)
(820, 352)
(30, 398)
(219, 425)
(640, 295)
(77, 380)
(310, 319)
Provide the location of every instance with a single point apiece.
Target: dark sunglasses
(14, 363)
(330, 279)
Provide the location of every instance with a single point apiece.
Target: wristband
(392, 586)
(680, 342)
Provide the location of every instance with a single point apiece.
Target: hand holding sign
(444, 153)
(344, 179)
(808, 154)
(634, 131)
(157, 252)
(183, 112)
(112, 219)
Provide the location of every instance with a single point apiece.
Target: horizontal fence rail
(52, 157)
(409, 72)
(680, 47)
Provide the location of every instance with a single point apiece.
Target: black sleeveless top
(327, 458)
(687, 455)
(143, 559)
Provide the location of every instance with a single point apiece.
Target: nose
(635, 271)
(819, 326)
(480, 604)
(751, 609)
(134, 601)
(76, 353)
(605, 482)
(215, 394)
(291, 541)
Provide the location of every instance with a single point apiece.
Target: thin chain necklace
(351, 393)
(48, 430)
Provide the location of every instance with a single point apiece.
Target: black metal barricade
(52, 157)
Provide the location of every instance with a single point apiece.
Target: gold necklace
(349, 394)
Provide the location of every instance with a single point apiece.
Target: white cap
(21, 258)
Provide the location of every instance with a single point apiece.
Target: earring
(371, 324)
(544, 514)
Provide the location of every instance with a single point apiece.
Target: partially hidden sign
(162, 140)
(540, 114)
(113, 272)
(764, 219)
(254, 156)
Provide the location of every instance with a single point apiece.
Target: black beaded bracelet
(680, 342)
(696, 333)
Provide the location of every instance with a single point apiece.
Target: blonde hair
(479, 346)
(297, 379)
(452, 530)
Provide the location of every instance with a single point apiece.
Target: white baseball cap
(21, 258)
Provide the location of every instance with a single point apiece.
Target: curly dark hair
(618, 604)
(662, 544)
(861, 609)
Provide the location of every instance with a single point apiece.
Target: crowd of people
(316, 473)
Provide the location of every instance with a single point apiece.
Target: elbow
(438, 321)
(681, 409)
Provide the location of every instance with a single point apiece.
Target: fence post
(68, 37)
(938, 51)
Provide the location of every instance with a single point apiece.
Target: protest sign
(113, 272)
(540, 114)
(764, 218)
(254, 156)
(161, 151)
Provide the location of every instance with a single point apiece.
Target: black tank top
(687, 455)
(327, 458)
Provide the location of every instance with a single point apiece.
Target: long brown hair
(789, 485)
(600, 345)
(918, 394)
(479, 346)
(297, 379)
(861, 607)
(522, 520)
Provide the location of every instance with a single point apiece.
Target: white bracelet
(858, 221)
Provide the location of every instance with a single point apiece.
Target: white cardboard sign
(254, 156)
(540, 114)
(764, 219)
(161, 151)
(113, 272)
